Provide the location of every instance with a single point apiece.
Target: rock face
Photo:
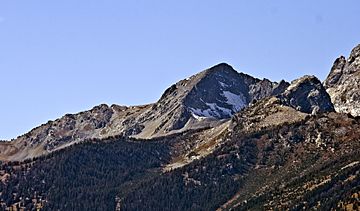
(343, 83)
(222, 92)
(203, 100)
(308, 95)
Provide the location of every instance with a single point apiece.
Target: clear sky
(65, 56)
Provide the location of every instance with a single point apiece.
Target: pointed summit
(335, 72)
(223, 91)
(201, 100)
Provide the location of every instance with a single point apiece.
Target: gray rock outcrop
(343, 83)
(308, 95)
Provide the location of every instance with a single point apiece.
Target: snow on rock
(214, 111)
(222, 91)
(198, 113)
(237, 101)
(224, 85)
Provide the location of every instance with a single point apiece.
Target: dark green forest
(85, 176)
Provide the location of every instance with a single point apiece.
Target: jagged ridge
(201, 101)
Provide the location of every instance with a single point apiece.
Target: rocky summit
(222, 92)
(343, 83)
(218, 140)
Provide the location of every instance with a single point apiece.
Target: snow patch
(223, 84)
(216, 108)
(237, 101)
(197, 117)
(204, 113)
(213, 111)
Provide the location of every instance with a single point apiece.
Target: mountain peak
(220, 68)
(221, 65)
(226, 69)
(355, 54)
(335, 72)
(343, 83)
(222, 91)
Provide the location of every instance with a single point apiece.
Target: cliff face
(343, 83)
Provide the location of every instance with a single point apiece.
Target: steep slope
(201, 101)
(343, 83)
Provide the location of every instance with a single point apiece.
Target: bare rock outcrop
(343, 83)
(308, 95)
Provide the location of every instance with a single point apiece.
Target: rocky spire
(336, 72)
(343, 83)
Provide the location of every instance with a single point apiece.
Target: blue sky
(59, 57)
